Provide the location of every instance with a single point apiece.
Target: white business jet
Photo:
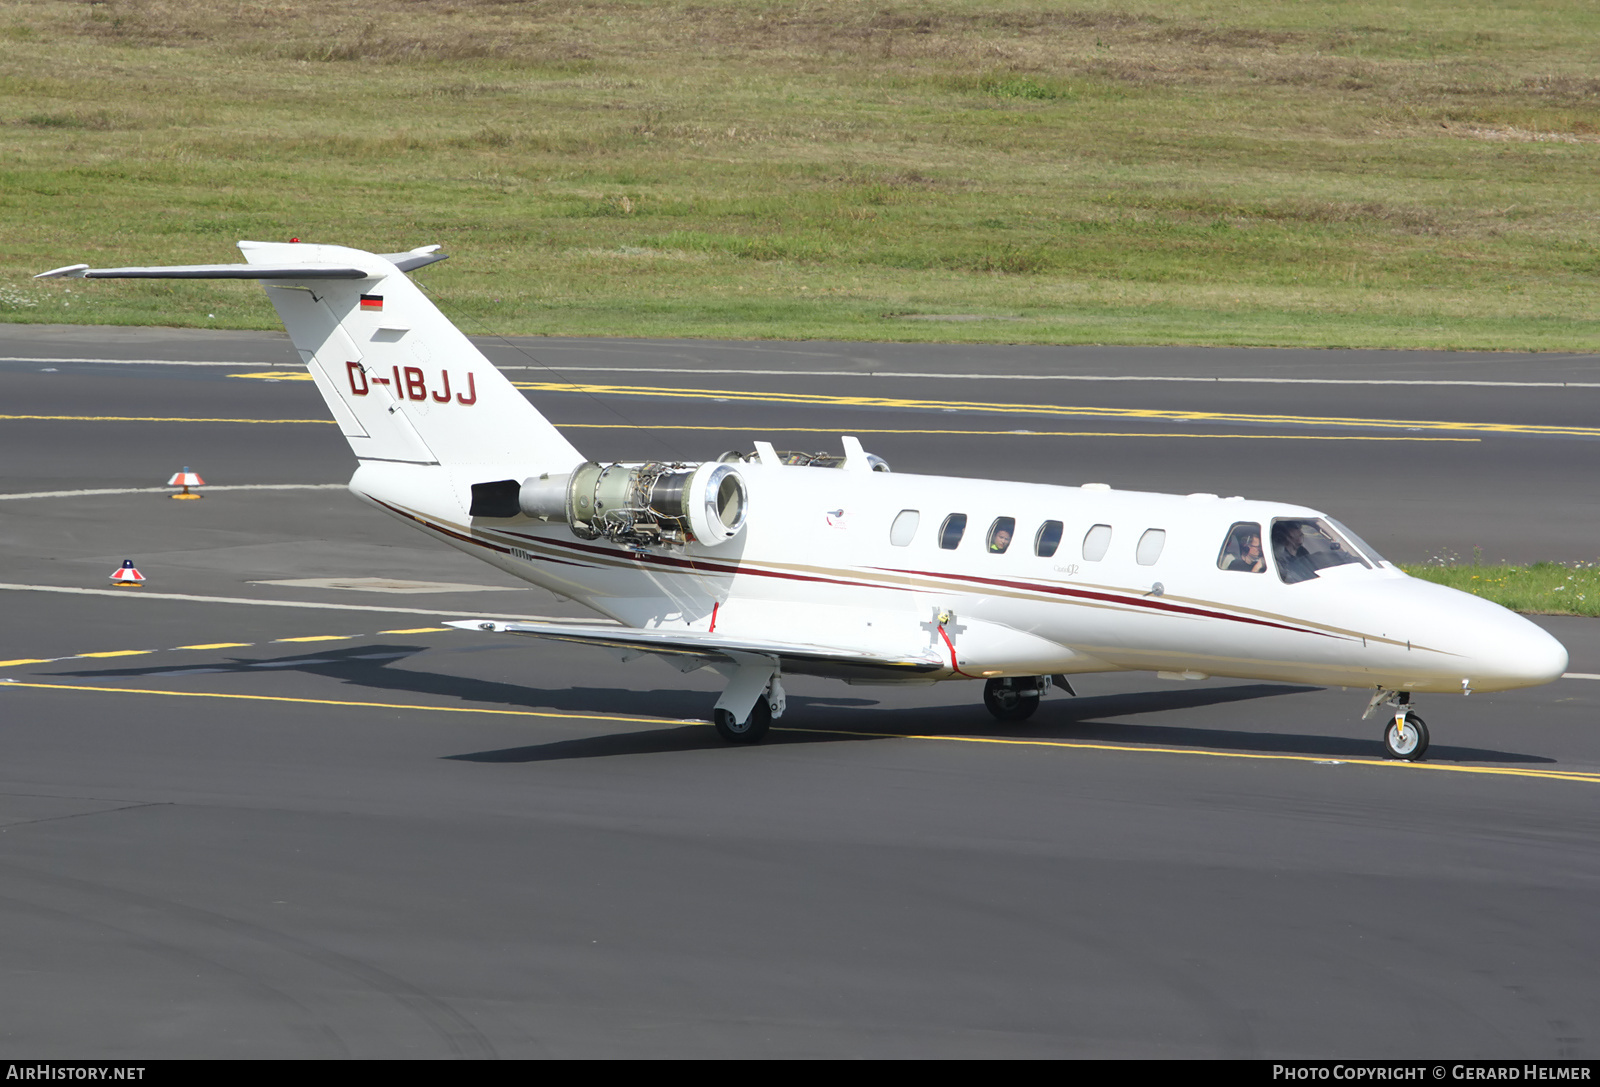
(764, 563)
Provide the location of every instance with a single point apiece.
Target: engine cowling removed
(643, 504)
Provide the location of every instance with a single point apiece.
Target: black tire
(1012, 699)
(1410, 747)
(752, 730)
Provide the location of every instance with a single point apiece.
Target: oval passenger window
(1048, 539)
(950, 535)
(1000, 534)
(904, 527)
(1096, 542)
(1150, 545)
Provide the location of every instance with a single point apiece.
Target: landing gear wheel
(1005, 698)
(752, 730)
(1409, 744)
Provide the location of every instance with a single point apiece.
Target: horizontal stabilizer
(416, 258)
(209, 271)
(409, 261)
(709, 647)
(404, 385)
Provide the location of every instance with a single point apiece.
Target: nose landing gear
(1405, 735)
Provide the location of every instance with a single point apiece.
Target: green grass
(1545, 588)
(1411, 174)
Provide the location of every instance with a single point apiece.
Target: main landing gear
(1014, 698)
(752, 730)
(753, 700)
(1405, 735)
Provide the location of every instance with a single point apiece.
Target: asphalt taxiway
(267, 805)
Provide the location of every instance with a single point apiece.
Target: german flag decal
(372, 301)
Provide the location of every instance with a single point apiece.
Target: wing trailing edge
(711, 648)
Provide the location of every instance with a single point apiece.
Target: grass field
(1545, 588)
(1414, 173)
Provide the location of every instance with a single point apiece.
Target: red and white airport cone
(186, 479)
(126, 574)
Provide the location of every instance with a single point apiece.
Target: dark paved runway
(242, 819)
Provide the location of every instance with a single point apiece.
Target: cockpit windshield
(1302, 546)
(1362, 546)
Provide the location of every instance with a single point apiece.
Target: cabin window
(904, 527)
(1242, 551)
(1303, 546)
(950, 534)
(1096, 542)
(1048, 539)
(1150, 545)
(1000, 534)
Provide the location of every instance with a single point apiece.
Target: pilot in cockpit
(1243, 552)
(1289, 550)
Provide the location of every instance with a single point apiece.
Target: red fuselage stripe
(1085, 594)
(1155, 605)
(724, 569)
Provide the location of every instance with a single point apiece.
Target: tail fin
(402, 382)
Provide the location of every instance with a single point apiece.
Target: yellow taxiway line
(806, 430)
(153, 419)
(9, 683)
(1035, 409)
(216, 645)
(1019, 433)
(1492, 771)
(1162, 414)
(1321, 760)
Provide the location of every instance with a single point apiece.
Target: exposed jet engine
(648, 504)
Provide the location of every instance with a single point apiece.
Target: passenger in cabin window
(1288, 548)
(1000, 534)
(1244, 552)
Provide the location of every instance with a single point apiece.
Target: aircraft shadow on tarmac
(1080, 720)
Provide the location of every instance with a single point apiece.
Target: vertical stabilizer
(402, 382)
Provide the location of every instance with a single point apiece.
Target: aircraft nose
(1494, 649)
(1535, 656)
(1517, 653)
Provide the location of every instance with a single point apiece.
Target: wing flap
(708, 647)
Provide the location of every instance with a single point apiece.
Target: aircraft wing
(714, 648)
